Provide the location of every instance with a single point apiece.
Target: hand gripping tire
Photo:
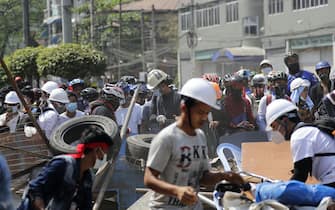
(70, 131)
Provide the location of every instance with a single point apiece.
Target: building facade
(231, 34)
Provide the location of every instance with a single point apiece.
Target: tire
(138, 146)
(70, 131)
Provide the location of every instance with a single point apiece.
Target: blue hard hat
(76, 81)
(321, 65)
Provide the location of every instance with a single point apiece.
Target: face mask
(277, 137)
(71, 107)
(293, 68)
(324, 77)
(280, 91)
(12, 109)
(60, 108)
(266, 70)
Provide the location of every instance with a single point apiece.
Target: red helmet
(212, 77)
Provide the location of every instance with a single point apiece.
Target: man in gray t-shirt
(178, 157)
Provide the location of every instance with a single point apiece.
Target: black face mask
(293, 68)
(236, 93)
(324, 76)
(280, 91)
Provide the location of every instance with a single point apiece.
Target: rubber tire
(138, 146)
(70, 131)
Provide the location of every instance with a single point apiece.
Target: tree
(71, 61)
(11, 31)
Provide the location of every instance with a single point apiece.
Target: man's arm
(185, 194)
(301, 169)
(210, 178)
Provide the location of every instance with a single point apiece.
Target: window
(276, 6)
(208, 17)
(186, 21)
(232, 11)
(303, 4)
(250, 26)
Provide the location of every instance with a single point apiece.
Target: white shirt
(181, 160)
(12, 124)
(308, 141)
(135, 118)
(48, 120)
(260, 118)
(63, 117)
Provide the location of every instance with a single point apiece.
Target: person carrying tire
(178, 157)
(165, 106)
(65, 183)
(108, 102)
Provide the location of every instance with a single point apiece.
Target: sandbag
(293, 193)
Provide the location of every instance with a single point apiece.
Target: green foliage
(71, 61)
(23, 62)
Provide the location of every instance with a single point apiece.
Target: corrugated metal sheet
(146, 5)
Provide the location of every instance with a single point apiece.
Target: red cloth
(81, 148)
(235, 108)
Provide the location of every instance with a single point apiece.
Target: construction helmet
(276, 109)
(59, 95)
(299, 82)
(111, 92)
(76, 81)
(200, 90)
(265, 61)
(90, 94)
(258, 79)
(12, 98)
(280, 75)
(155, 77)
(49, 86)
(217, 90)
(244, 73)
(322, 65)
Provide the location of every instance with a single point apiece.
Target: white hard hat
(59, 95)
(265, 61)
(12, 98)
(299, 82)
(278, 108)
(49, 86)
(200, 90)
(155, 77)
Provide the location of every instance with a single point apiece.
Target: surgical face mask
(277, 137)
(293, 68)
(71, 107)
(266, 70)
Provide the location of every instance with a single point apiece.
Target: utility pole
(119, 47)
(26, 29)
(153, 34)
(49, 26)
(92, 21)
(142, 41)
(66, 21)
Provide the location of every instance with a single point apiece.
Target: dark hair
(94, 134)
(70, 93)
(293, 116)
(189, 102)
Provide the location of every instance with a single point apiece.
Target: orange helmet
(217, 90)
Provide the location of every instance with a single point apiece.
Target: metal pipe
(206, 200)
(110, 163)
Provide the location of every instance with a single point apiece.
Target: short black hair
(94, 134)
(189, 102)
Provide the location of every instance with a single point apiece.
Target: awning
(53, 19)
(233, 52)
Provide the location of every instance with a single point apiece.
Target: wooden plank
(270, 160)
